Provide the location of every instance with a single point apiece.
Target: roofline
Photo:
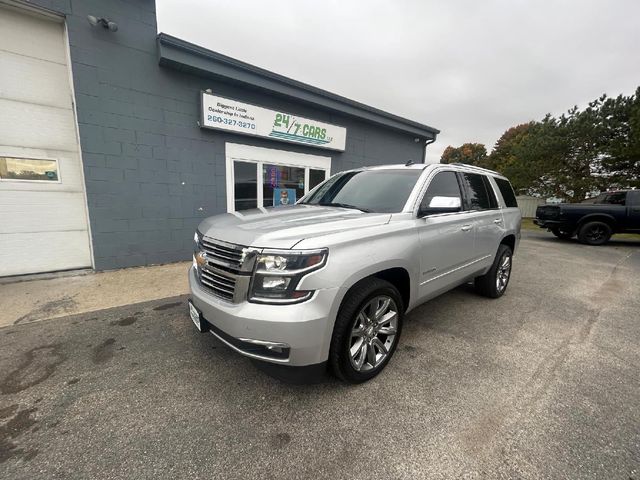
(185, 56)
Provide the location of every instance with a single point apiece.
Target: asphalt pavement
(542, 383)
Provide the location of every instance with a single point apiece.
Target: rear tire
(562, 234)
(594, 233)
(494, 283)
(367, 330)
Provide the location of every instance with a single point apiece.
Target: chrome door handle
(497, 221)
(466, 228)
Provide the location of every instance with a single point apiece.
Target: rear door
(446, 239)
(487, 216)
(633, 210)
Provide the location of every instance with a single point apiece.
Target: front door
(265, 177)
(447, 240)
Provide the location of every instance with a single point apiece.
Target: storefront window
(316, 177)
(282, 185)
(263, 178)
(245, 183)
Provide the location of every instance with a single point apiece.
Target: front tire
(367, 330)
(494, 283)
(594, 233)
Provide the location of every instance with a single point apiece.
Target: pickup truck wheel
(494, 283)
(594, 233)
(561, 233)
(367, 330)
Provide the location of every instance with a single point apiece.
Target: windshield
(382, 191)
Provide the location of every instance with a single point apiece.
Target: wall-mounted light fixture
(108, 24)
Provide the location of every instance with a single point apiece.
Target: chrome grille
(223, 254)
(227, 271)
(221, 285)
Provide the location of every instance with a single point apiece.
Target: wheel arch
(510, 241)
(398, 276)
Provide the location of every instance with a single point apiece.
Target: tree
(619, 138)
(470, 153)
(578, 153)
(503, 154)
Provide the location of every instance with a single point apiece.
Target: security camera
(107, 24)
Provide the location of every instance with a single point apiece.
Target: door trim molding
(455, 269)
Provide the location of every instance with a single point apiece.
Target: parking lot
(542, 383)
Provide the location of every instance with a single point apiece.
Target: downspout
(426, 144)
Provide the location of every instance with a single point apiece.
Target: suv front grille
(220, 285)
(227, 271)
(224, 254)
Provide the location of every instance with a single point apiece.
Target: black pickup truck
(595, 219)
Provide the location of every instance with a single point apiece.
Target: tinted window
(493, 201)
(381, 190)
(507, 192)
(616, 198)
(444, 184)
(477, 194)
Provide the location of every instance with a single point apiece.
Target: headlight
(199, 258)
(278, 273)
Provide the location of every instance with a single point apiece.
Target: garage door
(43, 221)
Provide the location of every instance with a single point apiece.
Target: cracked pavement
(542, 383)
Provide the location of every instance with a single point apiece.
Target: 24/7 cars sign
(230, 115)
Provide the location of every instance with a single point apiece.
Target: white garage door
(43, 221)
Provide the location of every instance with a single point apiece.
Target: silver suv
(330, 279)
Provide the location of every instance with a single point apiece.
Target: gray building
(115, 141)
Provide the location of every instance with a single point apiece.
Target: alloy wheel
(374, 333)
(504, 270)
(595, 234)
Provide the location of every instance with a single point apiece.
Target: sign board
(230, 115)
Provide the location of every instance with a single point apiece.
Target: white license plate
(195, 316)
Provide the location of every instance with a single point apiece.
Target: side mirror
(439, 205)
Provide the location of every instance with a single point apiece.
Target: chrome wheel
(504, 270)
(373, 333)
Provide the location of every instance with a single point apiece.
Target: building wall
(528, 205)
(149, 168)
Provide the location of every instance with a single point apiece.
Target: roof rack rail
(474, 167)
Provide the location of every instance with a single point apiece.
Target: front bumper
(304, 328)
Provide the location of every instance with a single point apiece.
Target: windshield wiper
(344, 205)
